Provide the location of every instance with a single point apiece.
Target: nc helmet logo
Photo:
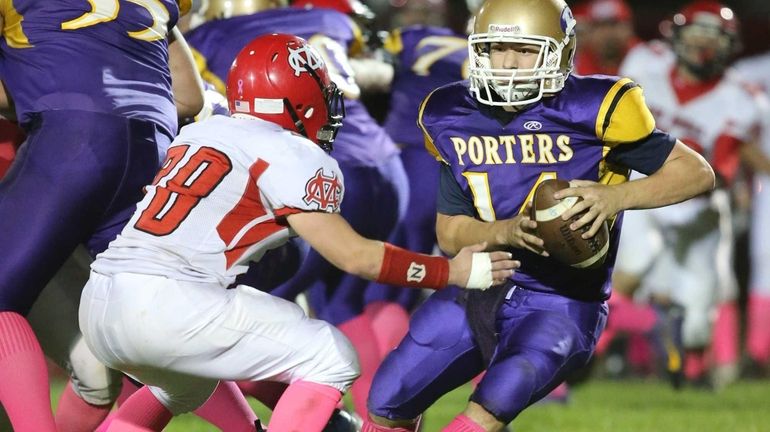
(533, 125)
(304, 57)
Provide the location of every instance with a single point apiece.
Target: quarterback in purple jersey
(92, 88)
(522, 118)
(377, 186)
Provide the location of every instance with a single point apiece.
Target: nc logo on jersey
(533, 125)
(323, 191)
(304, 57)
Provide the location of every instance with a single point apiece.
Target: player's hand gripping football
(473, 268)
(522, 235)
(599, 202)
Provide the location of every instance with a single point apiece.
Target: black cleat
(258, 426)
(342, 421)
(666, 338)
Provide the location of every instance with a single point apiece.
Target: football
(561, 242)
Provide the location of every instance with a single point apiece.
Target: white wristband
(481, 272)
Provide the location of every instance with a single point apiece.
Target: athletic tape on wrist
(481, 271)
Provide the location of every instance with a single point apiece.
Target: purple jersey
(427, 58)
(497, 162)
(360, 142)
(108, 56)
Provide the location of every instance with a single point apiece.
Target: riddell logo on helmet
(302, 58)
(505, 28)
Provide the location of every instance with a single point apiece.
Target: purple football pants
(76, 179)
(542, 338)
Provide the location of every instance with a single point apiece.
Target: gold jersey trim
(393, 43)
(12, 30)
(429, 144)
(623, 114)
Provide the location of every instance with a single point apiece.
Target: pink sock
(463, 423)
(758, 337)
(304, 407)
(370, 426)
(640, 355)
(267, 392)
(560, 393)
(24, 390)
(390, 322)
(227, 409)
(724, 345)
(141, 412)
(73, 414)
(628, 316)
(126, 391)
(359, 331)
(694, 364)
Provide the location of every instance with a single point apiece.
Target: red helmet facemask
(705, 37)
(282, 79)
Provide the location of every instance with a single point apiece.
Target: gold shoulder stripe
(12, 30)
(429, 144)
(609, 103)
(624, 116)
(202, 65)
(393, 43)
(357, 44)
(184, 6)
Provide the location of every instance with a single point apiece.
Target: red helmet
(282, 79)
(602, 10)
(705, 37)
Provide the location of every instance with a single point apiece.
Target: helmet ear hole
(309, 112)
(274, 57)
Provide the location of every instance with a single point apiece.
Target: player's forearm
(456, 232)
(755, 158)
(335, 240)
(684, 175)
(186, 83)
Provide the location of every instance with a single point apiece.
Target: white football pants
(180, 338)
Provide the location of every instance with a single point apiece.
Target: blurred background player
(606, 32)
(231, 189)
(520, 119)
(377, 193)
(719, 118)
(756, 71)
(93, 137)
(424, 58)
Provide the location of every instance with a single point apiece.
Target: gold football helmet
(548, 24)
(221, 9)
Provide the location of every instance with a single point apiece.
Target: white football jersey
(220, 200)
(728, 110)
(756, 70)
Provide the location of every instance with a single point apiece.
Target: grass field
(606, 406)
